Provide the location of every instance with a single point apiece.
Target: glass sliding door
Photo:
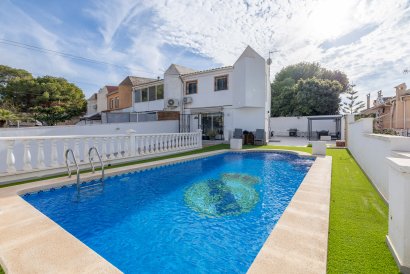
(212, 126)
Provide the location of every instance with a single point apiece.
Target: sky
(100, 42)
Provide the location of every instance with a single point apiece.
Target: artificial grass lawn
(358, 219)
(358, 215)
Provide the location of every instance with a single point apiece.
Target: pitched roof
(207, 70)
(134, 80)
(111, 88)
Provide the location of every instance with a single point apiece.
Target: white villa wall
(281, 125)
(370, 151)
(207, 96)
(249, 81)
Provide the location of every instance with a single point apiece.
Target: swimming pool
(207, 215)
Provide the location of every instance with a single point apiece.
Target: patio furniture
(325, 138)
(237, 134)
(340, 143)
(293, 132)
(260, 137)
(322, 133)
(248, 138)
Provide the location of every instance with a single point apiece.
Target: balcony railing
(38, 153)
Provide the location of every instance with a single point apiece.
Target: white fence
(25, 156)
(370, 151)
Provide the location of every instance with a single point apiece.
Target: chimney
(368, 100)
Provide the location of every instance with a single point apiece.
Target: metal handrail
(92, 164)
(76, 165)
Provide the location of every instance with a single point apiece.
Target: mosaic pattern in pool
(210, 215)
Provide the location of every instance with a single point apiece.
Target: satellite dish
(269, 61)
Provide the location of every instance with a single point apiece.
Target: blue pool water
(210, 215)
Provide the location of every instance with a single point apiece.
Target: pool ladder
(88, 186)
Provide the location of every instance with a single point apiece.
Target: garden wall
(370, 151)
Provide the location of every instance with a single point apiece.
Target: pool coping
(30, 242)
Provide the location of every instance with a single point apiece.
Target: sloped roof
(208, 70)
(134, 80)
(111, 88)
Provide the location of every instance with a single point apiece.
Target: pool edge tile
(296, 245)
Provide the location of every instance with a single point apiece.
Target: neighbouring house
(92, 105)
(392, 112)
(121, 98)
(215, 101)
(102, 104)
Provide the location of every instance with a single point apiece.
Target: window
(111, 103)
(117, 102)
(160, 92)
(191, 87)
(151, 94)
(137, 96)
(144, 95)
(221, 82)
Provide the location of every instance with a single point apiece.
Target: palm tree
(6, 115)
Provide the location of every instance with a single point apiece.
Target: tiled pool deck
(32, 243)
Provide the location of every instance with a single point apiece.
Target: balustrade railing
(35, 153)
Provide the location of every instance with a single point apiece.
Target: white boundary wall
(370, 151)
(94, 129)
(281, 125)
(386, 161)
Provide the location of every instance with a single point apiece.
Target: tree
(352, 105)
(286, 88)
(47, 99)
(8, 74)
(317, 97)
(5, 116)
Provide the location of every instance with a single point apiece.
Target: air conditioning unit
(187, 100)
(172, 103)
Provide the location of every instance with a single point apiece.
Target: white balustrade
(40, 154)
(11, 160)
(111, 147)
(54, 154)
(27, 156)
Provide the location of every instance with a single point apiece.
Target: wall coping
(385, 137)
(400, 164)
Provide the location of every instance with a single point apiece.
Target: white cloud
(134, 34)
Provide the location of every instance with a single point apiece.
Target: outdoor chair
(237, 134)
(260, 138)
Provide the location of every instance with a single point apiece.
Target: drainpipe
(182, 101)
(404, 112)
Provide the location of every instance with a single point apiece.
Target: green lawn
(358, 216)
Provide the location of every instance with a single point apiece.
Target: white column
(120, 139)
(54, 155)
(112, 147)
(127, 150)
(77, 149)
(11, 160)
(86, 148)
(40, 154)
(27, 156)
(104, 148)
(398, 238)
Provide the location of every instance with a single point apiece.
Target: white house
(217, 100)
